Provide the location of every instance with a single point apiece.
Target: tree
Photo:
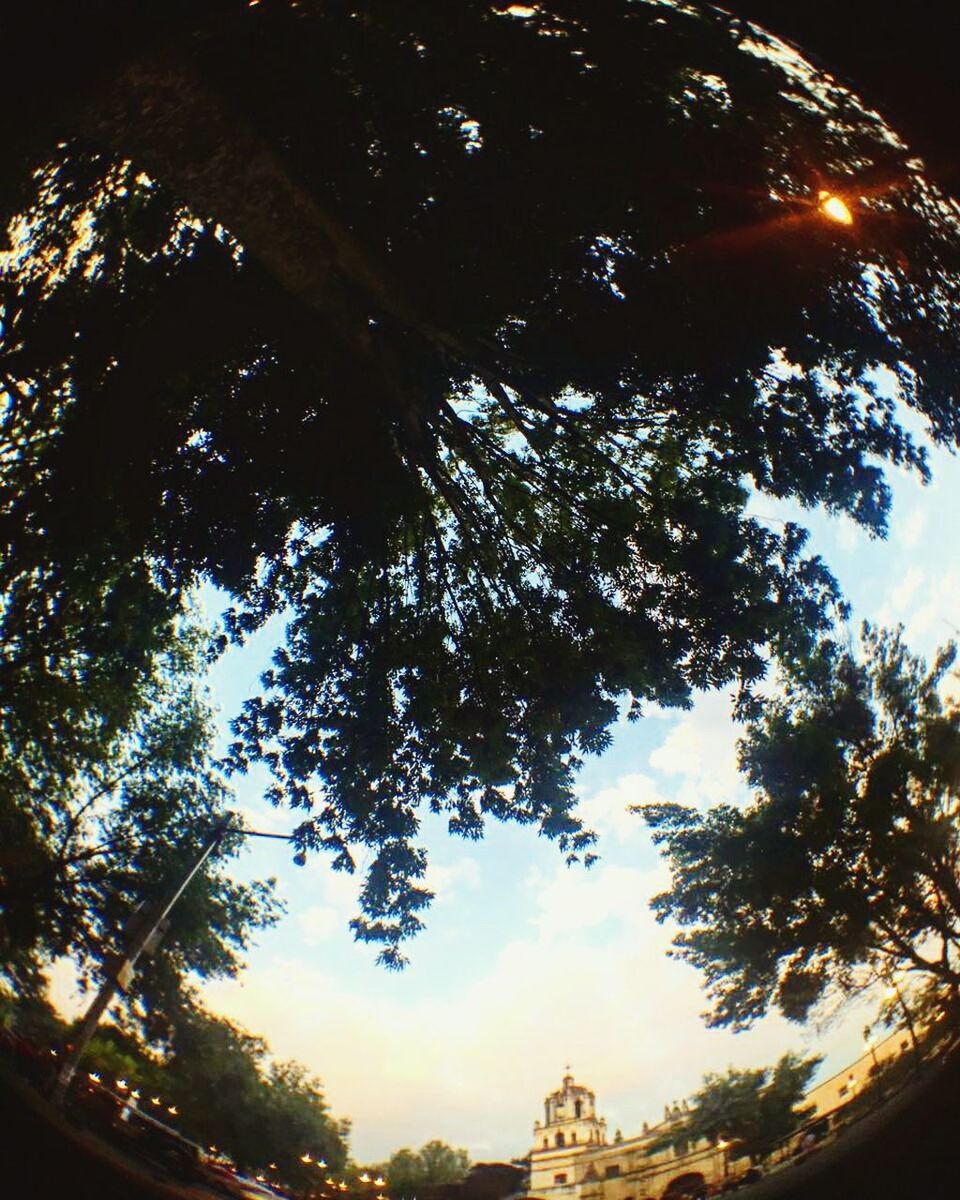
(410, 1172)
(751, 1110)
(225, 1088)
(115, 1054)
(104, 799)
(844, 867)
(229, 1094)
(564, 412)
(901, 67)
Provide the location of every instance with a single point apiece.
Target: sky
(527, 965)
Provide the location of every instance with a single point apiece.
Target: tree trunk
(163, 116)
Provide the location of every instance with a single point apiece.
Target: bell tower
(570, 1119)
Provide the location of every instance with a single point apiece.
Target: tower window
(578, 1106)
(560, 1179)
(561, 1140)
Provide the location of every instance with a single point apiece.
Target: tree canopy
(844, 868)
(107, 794)
(410, 1172)
(751, 1111)
(224, 1087)
(461, 339)
(260, 1111)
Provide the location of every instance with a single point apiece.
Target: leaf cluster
(410, 1173)
(848, 855)
(488, 440)
(107, 795)
(749, 1110)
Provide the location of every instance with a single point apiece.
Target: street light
(724, 1146)
(120, 975)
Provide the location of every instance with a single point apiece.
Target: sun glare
(836, 209)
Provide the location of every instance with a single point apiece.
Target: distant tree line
(227, 1090)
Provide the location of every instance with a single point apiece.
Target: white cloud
(570, 901)
(317, 923)
(607, 813)
(64, 992)
(912, 527)
(906, 589)
(448, 880)
(263, 817)
(936, 616)
(850, 536)
(471, 1061)
(700, 749)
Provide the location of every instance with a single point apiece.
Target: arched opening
(561, 1140)
(691, 1184)
(573, 1139)
(578, 1106)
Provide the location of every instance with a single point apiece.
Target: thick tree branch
(162, 114)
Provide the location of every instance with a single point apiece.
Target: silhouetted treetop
(461, 334)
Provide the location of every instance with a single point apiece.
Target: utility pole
(119, 977)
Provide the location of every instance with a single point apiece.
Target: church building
(573, 1159)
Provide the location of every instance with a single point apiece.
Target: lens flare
(836, 209)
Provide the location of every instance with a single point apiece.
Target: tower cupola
(570, 1118)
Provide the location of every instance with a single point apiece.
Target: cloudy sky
(527, 965)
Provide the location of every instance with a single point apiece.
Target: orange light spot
(836, 209)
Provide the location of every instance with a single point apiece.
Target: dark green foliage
(749, 1110)
(106, 798)
(487, 430)
(227, 1090)
(412, 1172)
(231, 1095)
(845, 865)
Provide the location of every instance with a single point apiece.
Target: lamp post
(119, 977)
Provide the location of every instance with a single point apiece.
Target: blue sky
(526, 964)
